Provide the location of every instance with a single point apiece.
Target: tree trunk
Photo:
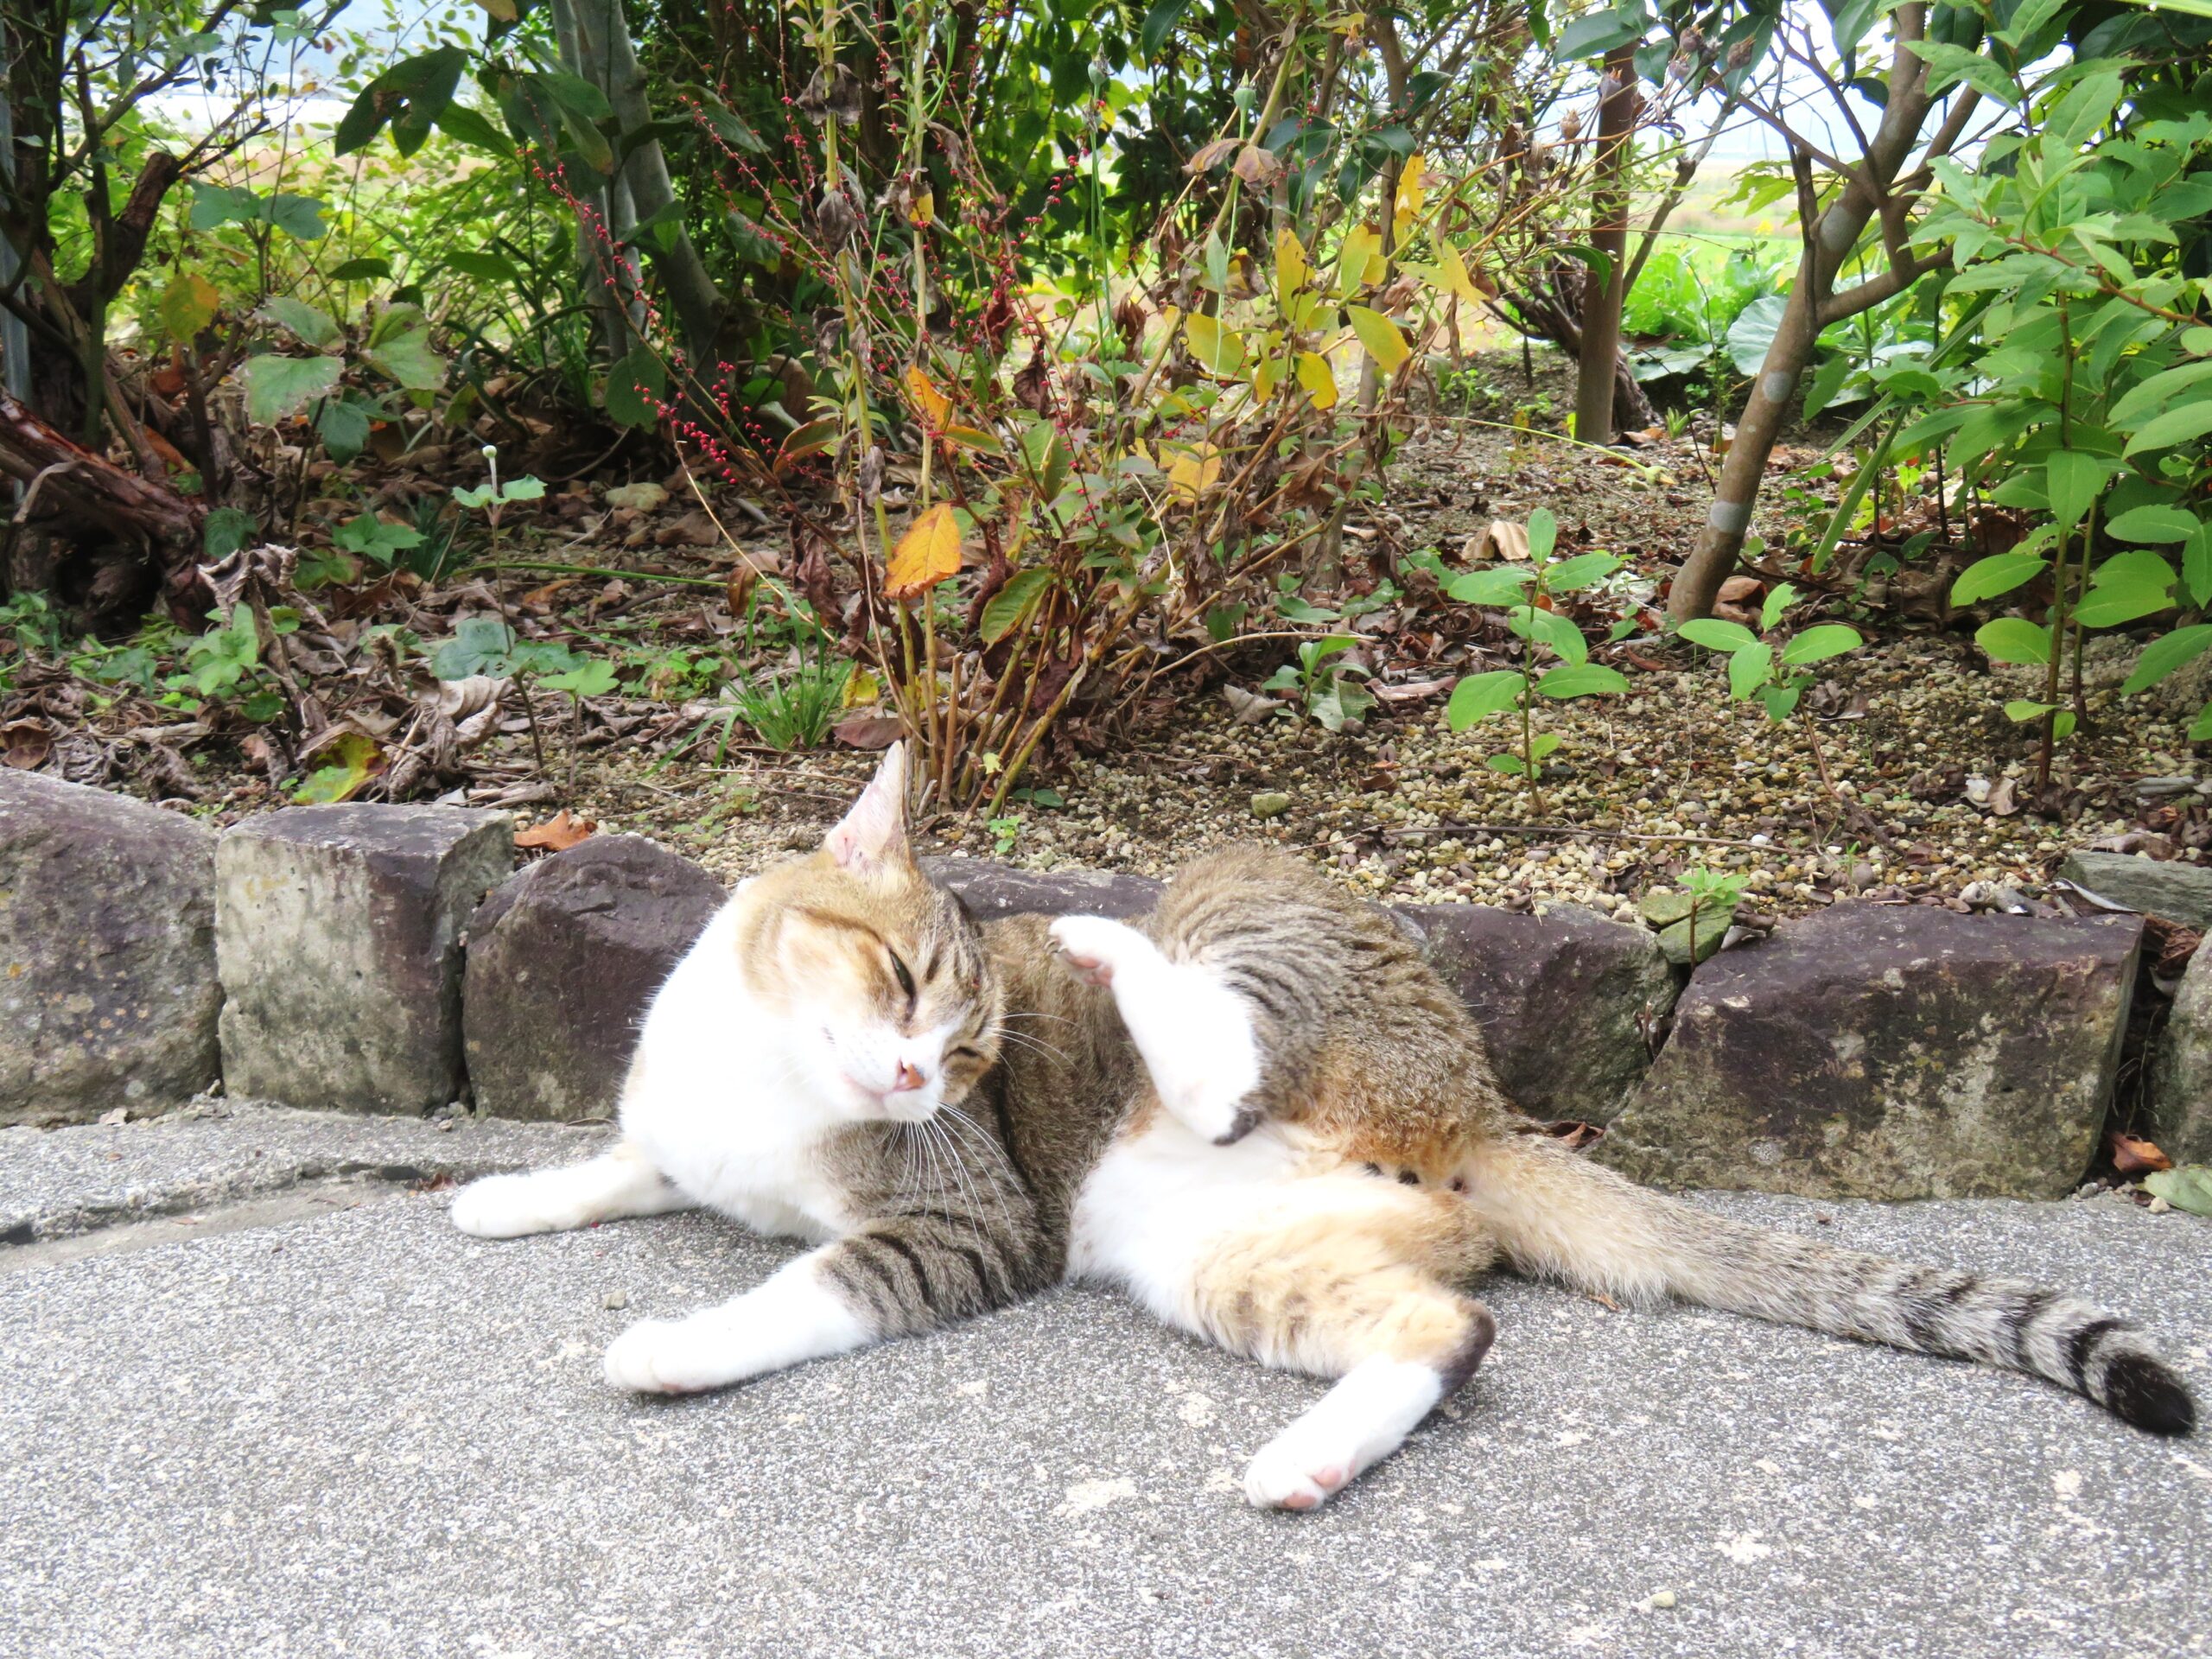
(1812, 304)
(1597, 364)
(605, 33)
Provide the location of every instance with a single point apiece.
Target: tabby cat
(1258, 1112)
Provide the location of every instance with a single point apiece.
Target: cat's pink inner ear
(874, 833)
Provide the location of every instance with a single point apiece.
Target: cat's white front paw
(1300, 1468)
(669, 1356)
(503, 1207)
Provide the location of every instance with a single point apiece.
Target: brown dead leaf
(867, 731)
(1737, 589)
(1508, 540)
(2134, 1156)
(2003, 802)
(556, 835)
(24, 744)
(926, 554)
(694, 529)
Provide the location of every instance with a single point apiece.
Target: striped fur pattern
(1256, 1110)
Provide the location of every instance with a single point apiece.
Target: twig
(1564, 830)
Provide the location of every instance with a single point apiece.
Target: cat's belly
(1159, 1198)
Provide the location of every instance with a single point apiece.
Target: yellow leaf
(1318, 379)
(1218, 350)
(935, 407)
(1381, 337)
(1292, 268)
(926, 554)
(1192, 470)
(860, 687)
(1267, 374)
(1455, 273)
(1411, 193)
(1361, 261)
(922, 211)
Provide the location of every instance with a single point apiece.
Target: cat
(1256, 1110)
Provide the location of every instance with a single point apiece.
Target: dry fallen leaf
(926, 554)
(557, 834)
(1738, 588)
(2134, 1156)
(935, 408)
(867, 731)
(1508, 540)
(26, 744)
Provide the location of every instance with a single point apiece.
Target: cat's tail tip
(2141, 1390)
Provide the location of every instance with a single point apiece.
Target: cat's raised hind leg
(622, 1182)
(1195, 1034)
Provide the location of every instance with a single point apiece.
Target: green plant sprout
(1525, 594)
(1754, 671)
(1317, 680)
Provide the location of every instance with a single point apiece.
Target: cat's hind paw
(504, 1206)
(1095, 947)
(1300, 1469)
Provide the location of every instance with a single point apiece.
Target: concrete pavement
(342, 1427)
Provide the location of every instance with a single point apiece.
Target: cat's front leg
(796, 1315)
(622, 1182)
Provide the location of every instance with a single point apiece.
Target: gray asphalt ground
(357, 1432)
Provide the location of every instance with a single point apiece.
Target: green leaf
(634, 387)
(226, 530)
(1751, 335)
(2075, 480)
(2188, 1188)
(1159, 23)
(1780, 701)
(311, 327)
(1716, 635)
(1217, 350)
(479, 645)
(188, 304)
(1549, 628)
(2196, 567)
(458, 121)
(217, 205)
(1012, 605)
(2157, 393)
(1948, 65)
(1782, 597)
(2191, 420)
(2023, 709)
(1818, 644)
(1543, 535)
(1510, 765)
(1479, 695)
(354, 762)
(276, 386)
(361, 271)
(2014, 639)
(1596, 33)
(343, 425)
(2108, 607)
(2165, 654)
(2000, 573)
(1388, 347)
(1583, 680)
(1570, 575)
(410, 95)
(407, 357)
(1750, 668)
(2155, 523)
(593, 677)
(298, 217)
(1499, 585)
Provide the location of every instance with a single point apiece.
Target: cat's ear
(872, 834)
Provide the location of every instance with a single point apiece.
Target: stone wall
(373, 958)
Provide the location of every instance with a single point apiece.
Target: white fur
(792, 1318)
(620, 1182)
(1360, 1421)
(1194, 1033)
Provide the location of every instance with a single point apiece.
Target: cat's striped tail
(1556, 1215)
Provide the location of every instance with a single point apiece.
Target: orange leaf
(2132, 1156)
(936, 407)
(926, 554)
(557, 834)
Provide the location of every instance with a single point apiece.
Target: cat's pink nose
(909, 1077)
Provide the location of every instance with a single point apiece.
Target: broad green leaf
(2165, 654)
(1543, 534)
(1570, 575)
(2014, 639)
(2022, 710)
(343, 424)
(2187, 1187)
(1818, 644)
(1479, 695)
(458, 121)
(1750, 668)
(593, 677)
(2000, 573)
(1583, 680)
(2157, 393)
(360, 270)
(276, 386)
(2109, 606)
(298, 217)
(1499, 585)
(634, 386)
(2191, 420)
(1012, 605)
(1716, 635)
(2074, 479)
(408, 358)
(188, 304)
(2157, 523)
(480, 644)
(2196, 567)
(351, 761)
(1781, 599)
(1550, 628)
(1380, 336)
(1948, 65)
(1159, 23)
(311, 327)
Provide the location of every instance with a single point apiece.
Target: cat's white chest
(708, 1102)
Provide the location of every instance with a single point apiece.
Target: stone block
(339, 934)
(2181, 1068)
(1571, 1002)
(562, 962)
(1890, 1052)
(996, 891)
(2168, 887)
(108, 993)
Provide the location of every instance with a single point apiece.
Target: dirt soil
(1934, 794)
